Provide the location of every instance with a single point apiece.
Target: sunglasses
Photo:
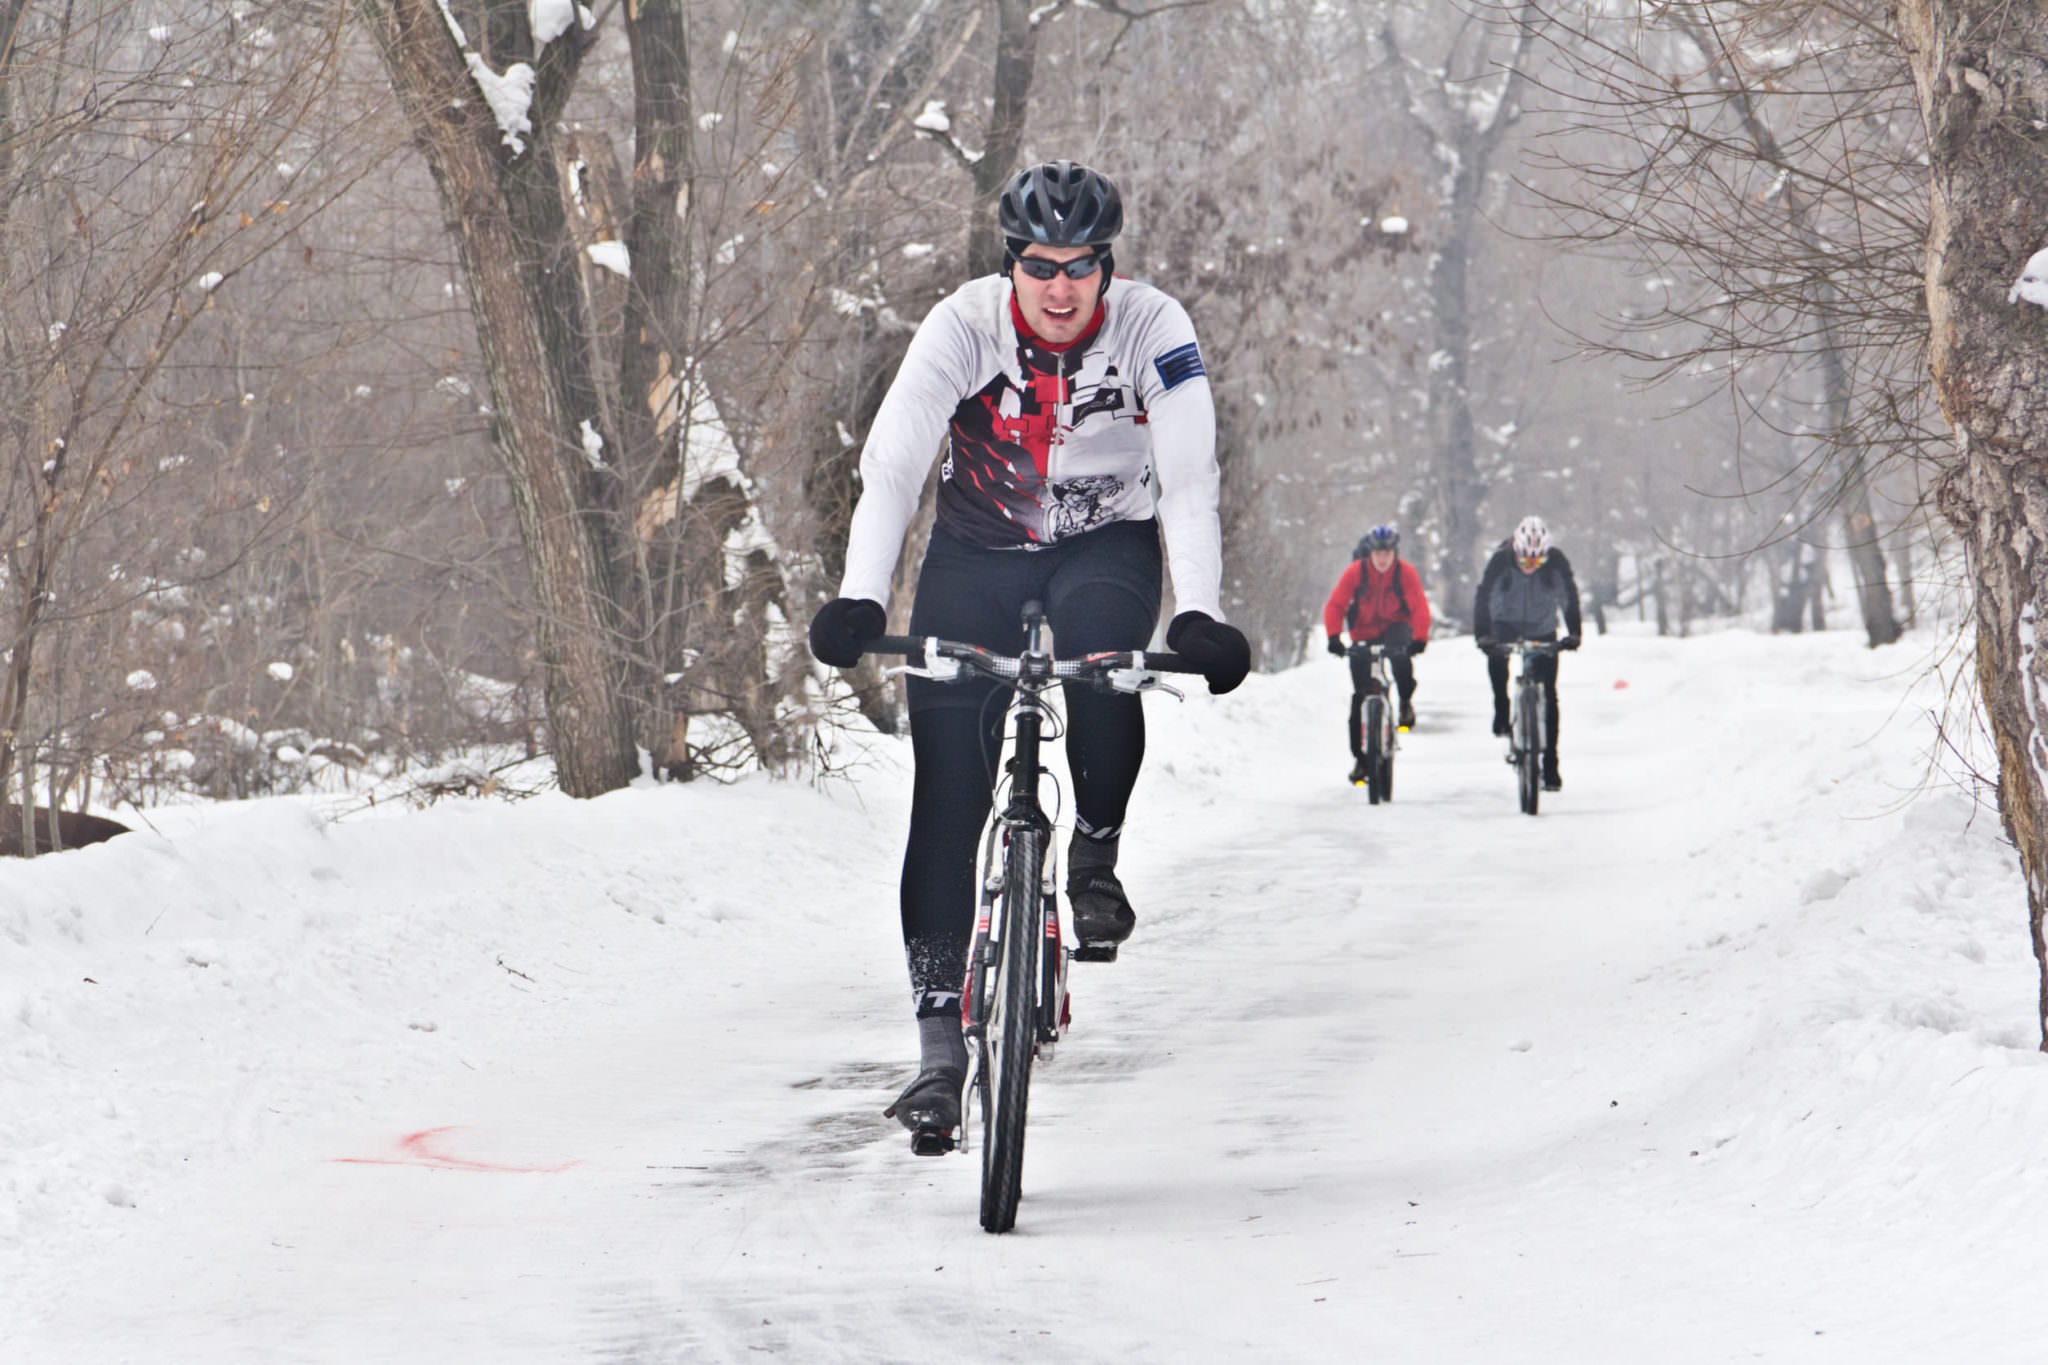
(1080, 268)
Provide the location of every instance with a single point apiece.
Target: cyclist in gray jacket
(1526, 587)
(1074, 414)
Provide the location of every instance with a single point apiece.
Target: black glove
(1337, 645)
(1568, 642)
(1486, 643)
(1417, 648)
(1219, 650)
(842, 626)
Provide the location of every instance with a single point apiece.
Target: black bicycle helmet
(1060, 203)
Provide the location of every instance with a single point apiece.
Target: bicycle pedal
(933, 1141)
(1095, 952)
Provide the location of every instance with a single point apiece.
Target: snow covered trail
(1729, 1054)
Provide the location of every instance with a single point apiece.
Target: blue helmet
(1378, 538)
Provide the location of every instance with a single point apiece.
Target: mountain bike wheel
(1529, 748)
(1387, 771)
(1012, 1032)
(1375, 748)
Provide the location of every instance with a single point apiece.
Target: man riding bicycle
(1527, 585)
(1078, 428)
(1379, 600)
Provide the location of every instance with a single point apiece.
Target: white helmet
(1532, 539)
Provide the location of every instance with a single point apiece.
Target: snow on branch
(2032, 285)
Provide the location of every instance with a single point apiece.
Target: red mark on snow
(1621, 684)
(424, 1149)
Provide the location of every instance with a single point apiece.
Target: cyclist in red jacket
(1379, 600)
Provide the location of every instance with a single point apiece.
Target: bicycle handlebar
(1097, 669)
(1536, 647)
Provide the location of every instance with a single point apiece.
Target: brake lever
(942, 670)
(1136, 680)
(937, 667)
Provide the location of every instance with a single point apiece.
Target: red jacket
(1381, 604)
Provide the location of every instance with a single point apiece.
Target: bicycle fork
(1022, 814)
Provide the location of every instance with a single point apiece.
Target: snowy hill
(1729, 1054)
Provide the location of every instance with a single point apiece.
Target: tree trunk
(1983, 88)
(657, 372)
(1465, 144)
(1859, 526)
(1016, 49)
(505, 208)
(1454, 470)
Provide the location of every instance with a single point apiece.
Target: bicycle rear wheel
(1529, 746)
(1011, 1034)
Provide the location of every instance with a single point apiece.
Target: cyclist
(1379, 600)
(1073, 409)
(1527, 585)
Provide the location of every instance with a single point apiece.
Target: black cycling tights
(1100, 592)
(956, 751)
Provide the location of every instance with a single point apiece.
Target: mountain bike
(1014, 1005)
(1527, 730)
(1379, 735)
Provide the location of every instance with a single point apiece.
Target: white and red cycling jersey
(1042, 442)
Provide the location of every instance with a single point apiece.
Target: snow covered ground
(1728, 1055)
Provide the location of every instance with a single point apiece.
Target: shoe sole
(933, 1141)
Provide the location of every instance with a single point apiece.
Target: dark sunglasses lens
(1038, 268)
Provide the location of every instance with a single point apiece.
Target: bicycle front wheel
(1375, 749)
(1529, 747)
(1011, 1033)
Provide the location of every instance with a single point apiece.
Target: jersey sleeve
(1174, 387)
(1571, 595)
(908, 432)
(1418, 601)
(1482, 614)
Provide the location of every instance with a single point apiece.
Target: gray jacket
(1512, 605)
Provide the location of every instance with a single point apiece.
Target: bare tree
(1982, 80)
(1754, 151)
(1464, 106)
(486, 117)
(125, 217)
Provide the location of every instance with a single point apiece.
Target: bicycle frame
(1014, 1004)
(1022, 813)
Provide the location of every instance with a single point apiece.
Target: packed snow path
(1727, 1055)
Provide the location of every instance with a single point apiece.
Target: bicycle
(1374, 720)
(1014, 1004)
(1528, 734)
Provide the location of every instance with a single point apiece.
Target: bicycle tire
(1011, 1034)
(1375, 748)
(1529, 747)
